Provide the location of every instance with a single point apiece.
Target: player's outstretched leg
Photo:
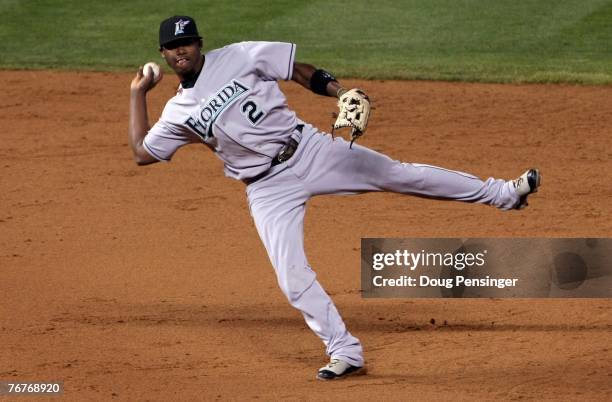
(340, 169)
(277, 205)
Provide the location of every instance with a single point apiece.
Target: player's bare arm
(139, 121)
(354, 104)
(303, 73)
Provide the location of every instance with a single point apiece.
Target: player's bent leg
(277, 206)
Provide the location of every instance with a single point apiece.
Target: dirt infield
(150, 283)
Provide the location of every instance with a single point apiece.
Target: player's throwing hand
(142, 82)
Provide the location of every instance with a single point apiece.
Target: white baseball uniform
(236, 108)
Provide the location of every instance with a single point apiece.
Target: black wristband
(319, 80)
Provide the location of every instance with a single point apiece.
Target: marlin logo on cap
(179, 27)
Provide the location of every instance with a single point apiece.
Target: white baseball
(152, 68)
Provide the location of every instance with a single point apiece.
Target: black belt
(284, 155)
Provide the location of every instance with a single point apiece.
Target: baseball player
(229, 100)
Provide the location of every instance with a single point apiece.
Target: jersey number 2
(252, 112)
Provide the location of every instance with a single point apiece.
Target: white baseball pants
(322, 165)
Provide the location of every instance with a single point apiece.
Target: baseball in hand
(152, 68)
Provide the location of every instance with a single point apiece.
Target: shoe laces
(333, 363)
(518, 182)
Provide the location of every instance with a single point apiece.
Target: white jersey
(235, 107)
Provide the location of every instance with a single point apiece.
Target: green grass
(471, 40)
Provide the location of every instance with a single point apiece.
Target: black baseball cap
(177, 27)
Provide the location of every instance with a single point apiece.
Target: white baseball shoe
(526, 184)
(337, 369)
